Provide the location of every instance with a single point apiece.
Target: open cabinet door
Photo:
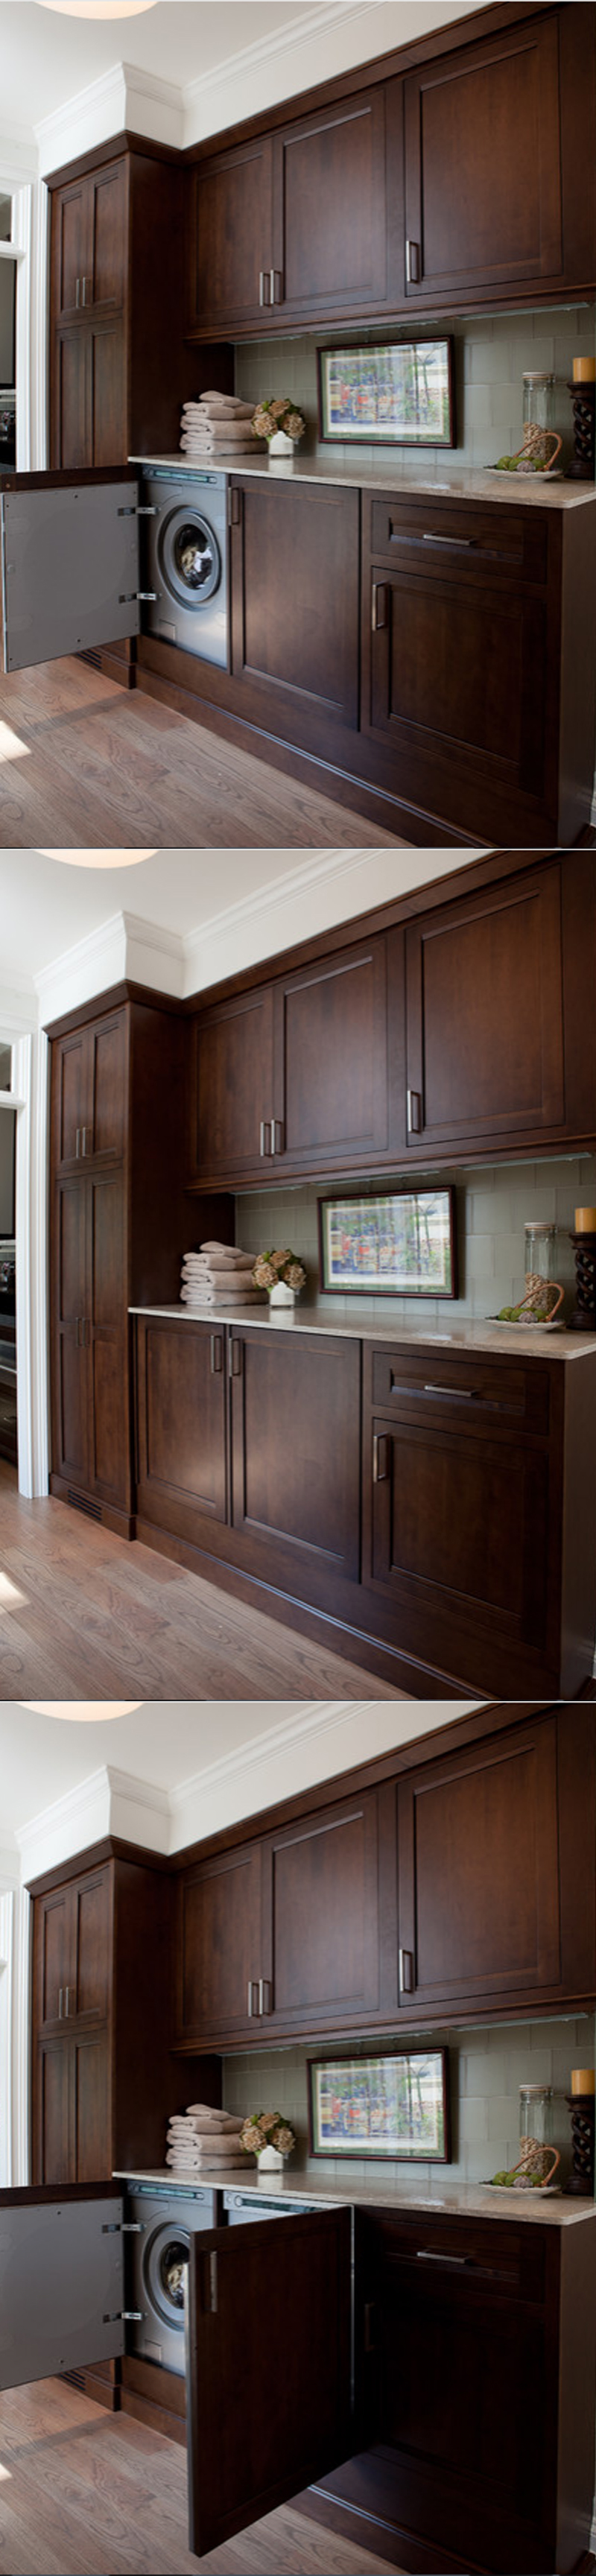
(61, 2281)
(268, 2367)
(70, 566)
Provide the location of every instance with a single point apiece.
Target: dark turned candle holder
(584, 1318)
(583, 404)
(583, 2123)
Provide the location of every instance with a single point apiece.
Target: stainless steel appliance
(161, 2217)
(186, 571)
(240, 2206)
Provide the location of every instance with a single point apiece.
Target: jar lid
(539, 1225)
(538, 376)
(545, 2090)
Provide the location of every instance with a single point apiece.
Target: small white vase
(281, 1295)
(280, 444)
(270, 2160)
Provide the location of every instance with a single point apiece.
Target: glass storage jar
(539, 413)
(536, 2148)
(540, 1240)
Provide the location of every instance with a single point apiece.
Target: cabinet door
(105, 1138)
(106, 1336)
(106, 394)
(485, 1015)
(295, 576)
(70, 1374)
(70, 569)
(51, 2111)
(296, 1450)
(61, 2302)
(331, 1053)
(53, 1957)
(291, 2279)
(70, 248)
(219, 1946)
(232, 237)
(91, 1899)
(233, 1106)
(181, 1412)
(483, 166)
(458, 679)
(459, 1542)
(321, 1904)
(333, 161)
(107, 234)
(479, 1904)
(70, 1103)
(90, 2130)
(69, 411)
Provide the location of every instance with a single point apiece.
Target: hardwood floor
(84, 1615)
(84, 763)
(83, 2493)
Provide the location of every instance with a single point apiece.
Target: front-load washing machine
(161, 2218)
(185, 513)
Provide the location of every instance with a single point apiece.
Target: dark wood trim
(110, 1848)
(369, 2531)
(114, 150)
(37, 2195)
(62, 479)
(106, 1515)
(109, 1001)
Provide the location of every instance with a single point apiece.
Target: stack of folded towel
(219, 1275)
(217, 424)
(201, 2139)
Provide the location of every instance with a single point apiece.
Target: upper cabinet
(295, 1075)
(89, 1092)
(483, 201)
(89, 238)
(117, 369)
(478, 1873)
(329, 209)
(231, 240)
(485, 1061)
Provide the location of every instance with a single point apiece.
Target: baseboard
(105, 1515)
(154, 2396)
(385, 2540)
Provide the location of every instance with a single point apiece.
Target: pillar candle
(584, 371)
(585, 1220)
(583, 2080)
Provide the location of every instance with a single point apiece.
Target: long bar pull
(67, 1992)
(277, 1136)
(78, 294)
(264, 1134)
(369, 2339)
(467, 1393)
(60, 2003)
(235, 1359)
(429, 539)
(84, 1136)
(264, 286)
(264, 1990)
(253, 2008)
(77, 1144)
(275, 285)
(457, 2262)
(412, 259)
(406, 1972)
(216, 1354)
(414, 1113)
(380, 1466)
(379, 606)
(84, 290)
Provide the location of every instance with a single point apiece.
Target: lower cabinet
(90, 1443)
(181, 1422)
(71, 2108)
(296, 1448)
(295, 593)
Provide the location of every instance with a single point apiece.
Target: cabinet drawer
(469, 2255)
(460, 537)
(444, 1390)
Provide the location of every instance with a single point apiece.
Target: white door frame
(29, 1096)
(29, 250)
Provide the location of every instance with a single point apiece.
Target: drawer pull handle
(406, 1972)
(429, 539)
(380, 1467)
(412, 256)
(457, 2262)
(459, 1394)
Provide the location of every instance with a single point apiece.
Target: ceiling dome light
(98, 8)
(82, 1709)
(99, 858)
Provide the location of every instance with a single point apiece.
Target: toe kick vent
(82, 1503)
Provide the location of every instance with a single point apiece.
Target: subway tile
(481, 1256)
(473, 2117)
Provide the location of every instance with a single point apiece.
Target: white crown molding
(125, 96)
(337, 886)
(153, 955)
(18, 155)
(80, 1817)
(318, 1743)
(90, 966)
(139, 1810)
(275, 67)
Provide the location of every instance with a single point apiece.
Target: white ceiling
(46, 908)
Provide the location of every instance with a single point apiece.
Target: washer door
(189, 558)
(164, 2260)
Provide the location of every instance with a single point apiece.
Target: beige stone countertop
(507, 1340)
(459, 2201)
(483, 484)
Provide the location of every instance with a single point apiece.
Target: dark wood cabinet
(231, 237)
(295, 543)
(334, 161)
(181, 1422)
(90, 1092)
(332, 1087)
(89, 243)
(232, 1087)
(218, 1947)
(90, 1372)
(72, 1951)
(485, 1015)
(483, 204)
(321, 1918)
(100, 2018)
(295, 2273)
(478, 1875)
(117, 371)
(295, 1451)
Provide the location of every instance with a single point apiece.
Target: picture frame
(394, 1243)
(392, 2107)
(401, 394)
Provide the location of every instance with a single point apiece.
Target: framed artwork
(403, 1244)
(394, 2106)
(401, 395)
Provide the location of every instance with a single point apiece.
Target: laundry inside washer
(186, 584)
(160, 2221)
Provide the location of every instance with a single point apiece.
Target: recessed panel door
(69, 1097)
(219, 1946)
(460, 1528)
(91, 2152)
(331, 1043)
(70, 570)
(485, 1015)
(321, 1901)
(479, 1906)
(106, 1039)
(250, 2446)
(458, 678)
(70, 1406)
(62, 2283)
(181, 1397)
(92, 1964)
(69, 389)
(107, 238)
(106, 1329)
(53, 1957)
(483, 165)
(233, 1105)
(106, 379)
(296, 1450)
(232, 237)
(333, 160)
(70, 248)
(51, 2110)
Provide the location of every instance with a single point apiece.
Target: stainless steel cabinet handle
(406, 1972)
(277, 1136)
(84, 290)
(264, 286)
(429, 539)
(67, 2003)
(461, 1393)
(414, 1113)
(412, 258)
(253, 2008)
(78, 293)
(216, 1354)
(380, 1468)
(77, 1143)
(378, 616)
(457, 2262)
(84, 1136)
(235, 1359)
(264, 1990)
(60, 2002)
(275, 285)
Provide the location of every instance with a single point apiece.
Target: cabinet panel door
(70, 248)
(53, 1956)
(91, 2157)
(483, 165)
(479, 1906)
(331, 1039)
(232, 236)
(294, 555)
(92, 1963)
(70, 569)
(70, 1371)
(296, 1447)
(245, 2456)
(70, 1106)
(334, 161)
(71, 449)
(52, 2160)
(107, 1087)
(485, 1014)
(107, 240)
(322, 1903)
(219, 1945)
(106, 362)
(106, 1331)
(458, 679)
(54, 2308)
(232, 1086)
(181, 1396)
(460, 1525)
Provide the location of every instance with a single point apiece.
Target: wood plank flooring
(85, 1615)
(83, 2493)
(84, 763)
